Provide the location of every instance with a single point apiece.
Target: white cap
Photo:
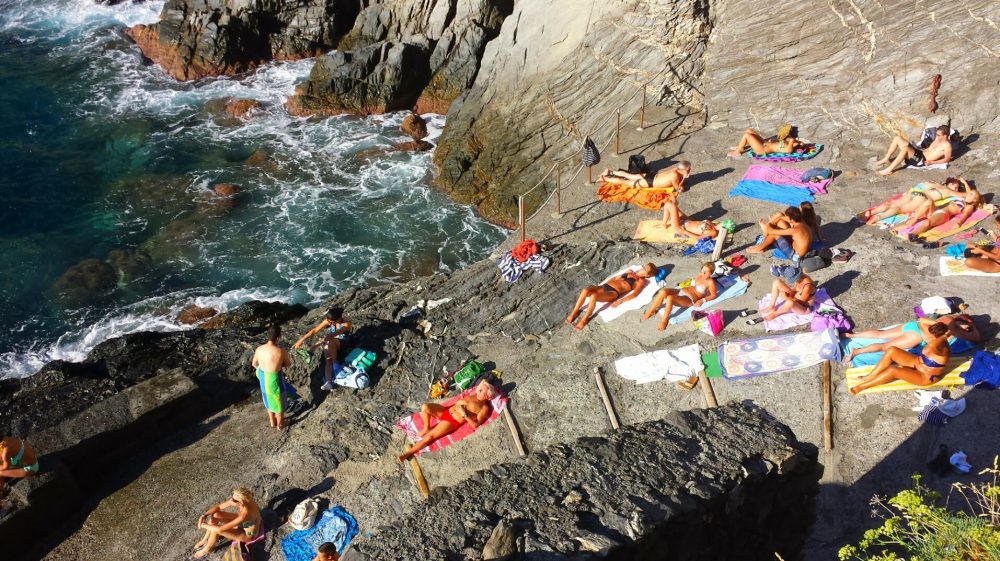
(935, 305)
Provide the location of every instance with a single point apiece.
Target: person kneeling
(920, 370)
(473, 409)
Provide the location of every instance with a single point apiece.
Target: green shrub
(917, 528)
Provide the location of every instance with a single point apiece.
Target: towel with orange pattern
(649, 198)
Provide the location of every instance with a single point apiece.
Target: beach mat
(336, 526)
(780, 175)
(653, 231)
(790, 320)
(809, 152)
(957, 267)
(412, 424)
(730, 286)
(764, 191)
(712, 367)
(651, 199)
(951, 227)
(745, 358)
(953, 377)
(957, 346)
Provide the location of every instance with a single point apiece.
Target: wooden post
(559, 188)
(520, 215)
(720, 241)
(827, 407)
(642, 108)
(590, 177)
(599, 375)
(418, 474)
(509, 417)
(618, 132)
(707, 389)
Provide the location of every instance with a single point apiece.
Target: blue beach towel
(336, 526)
(764, 191)
(730, 286)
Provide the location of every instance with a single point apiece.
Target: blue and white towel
(336, 526)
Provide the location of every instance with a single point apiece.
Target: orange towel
(651, 199)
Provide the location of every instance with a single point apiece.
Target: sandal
(688, 384)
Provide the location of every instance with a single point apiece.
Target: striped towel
(412, 424)
(953, 377)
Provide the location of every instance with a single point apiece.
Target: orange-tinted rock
(192, 314)
(87, 279)
(414, 146)
(415, 126)
(242, 108)
(226, 189)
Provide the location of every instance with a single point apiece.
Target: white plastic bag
(304, 515)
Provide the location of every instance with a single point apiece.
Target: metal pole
(559, 188)
(642, 108)
(520, 215)
(618, 132)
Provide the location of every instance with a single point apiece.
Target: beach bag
(352, 377)
(360, 358)
(821, 260)
(591, 155)
(637, 164)
(467, 374)
(835, 319)
(709, 322)
(813, 175)
(304, 515)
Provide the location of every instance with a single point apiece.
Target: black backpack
(637, 164)
(591, 155)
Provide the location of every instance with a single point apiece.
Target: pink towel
(411, 424)
(790, 320)
(950, 226)
(779, 175)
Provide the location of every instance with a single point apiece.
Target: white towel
(674, 365)
(926, 167)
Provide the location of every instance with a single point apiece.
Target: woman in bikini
(913, 199)
(965, 201)
(17, 460)
(617, 290)
(336, 328)
(701, 290)
(670, 180)
(795, 288)
(905, 336)
(784, 143)
(921, 370)
(240, 526)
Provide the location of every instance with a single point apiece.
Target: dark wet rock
(445, 41)
(129, 264)
(192, 314)
(199, 38)
(414, 146)
(643, 486)
(256, 316)
(242, 108)
(414, 126)
(87, 280)
(226, 189)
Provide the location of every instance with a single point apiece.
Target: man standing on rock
(269, 359)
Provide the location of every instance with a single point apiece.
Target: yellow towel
(977, 217)
(952, 377)
(653, 231)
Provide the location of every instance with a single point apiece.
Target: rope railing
(557, 165)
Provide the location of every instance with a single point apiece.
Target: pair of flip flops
(842, 255)
(751, 321)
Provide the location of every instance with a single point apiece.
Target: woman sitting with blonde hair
(701, 290)
(784, 143)
(241, 526)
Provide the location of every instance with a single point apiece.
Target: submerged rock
(129, 264)
(199, 38)
(414, 146)
(192, 314)
(88, 279)
(242, 108)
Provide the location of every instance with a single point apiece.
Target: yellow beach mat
(653, 231)
(953, 377)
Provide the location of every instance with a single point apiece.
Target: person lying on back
(473, 409)
(667, 179)
(784, 143)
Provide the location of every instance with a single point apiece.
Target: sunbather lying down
(671, 178)
(912, 333)
(914, 198)
(920, 370)
(618, 290)
(784, 143)
(933, 214)
(473, 409)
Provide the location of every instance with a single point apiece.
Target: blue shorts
(782, 244)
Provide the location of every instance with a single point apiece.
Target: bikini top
(628, 278)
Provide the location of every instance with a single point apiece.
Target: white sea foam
(320, 220)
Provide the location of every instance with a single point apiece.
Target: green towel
(712, 368)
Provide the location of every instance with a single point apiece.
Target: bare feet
(663, 324)
(881, 162)
(855, 390)
(570, 319)
(200, 554)
(746, 279)
(734, 154)
(886, 171)
(755, 249)
(405, 456)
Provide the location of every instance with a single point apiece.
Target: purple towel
(779, 175)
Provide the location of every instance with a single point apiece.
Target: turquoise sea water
(105, 159)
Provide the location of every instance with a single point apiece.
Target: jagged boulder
(199, 38)
(415, 126)
(376, 79)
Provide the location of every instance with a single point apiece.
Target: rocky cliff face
(403, 54)
(199, 38)
(542, 87)
(846, 69)
(660, 490)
